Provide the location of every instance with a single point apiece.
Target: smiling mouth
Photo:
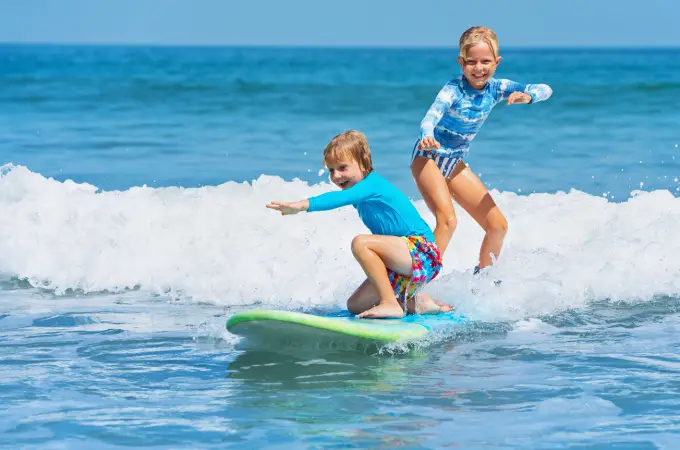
(343, 184)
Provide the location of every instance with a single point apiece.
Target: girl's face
(345, 173)
(479, 65)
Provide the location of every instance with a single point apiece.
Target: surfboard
(274, 327)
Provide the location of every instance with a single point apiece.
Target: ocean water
(132, 226)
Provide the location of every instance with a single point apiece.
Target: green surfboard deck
(263, 324)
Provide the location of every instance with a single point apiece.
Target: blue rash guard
(383, 208)
(459, 111)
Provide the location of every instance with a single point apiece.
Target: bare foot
(427, 305)
(390, 310)
(443, 307)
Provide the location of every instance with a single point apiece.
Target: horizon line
(330, 46)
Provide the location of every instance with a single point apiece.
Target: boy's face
(345, 173)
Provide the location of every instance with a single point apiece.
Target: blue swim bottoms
(446, 161)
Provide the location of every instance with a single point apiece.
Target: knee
(353, 305)
(447, 220)
(497, 223)
(359, 244)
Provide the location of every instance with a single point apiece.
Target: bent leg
(432, 186)
(376, 254)
(470, 193)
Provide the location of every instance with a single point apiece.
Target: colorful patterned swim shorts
(427, 263)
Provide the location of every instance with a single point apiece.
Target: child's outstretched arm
(337, 199)
(289, 207)
(324, 202)
(444, 100)
(517, 93)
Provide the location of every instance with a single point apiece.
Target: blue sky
(536, 23)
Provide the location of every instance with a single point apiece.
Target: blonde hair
(350, 144)
(477, 35)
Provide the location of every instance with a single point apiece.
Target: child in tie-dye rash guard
(451, 123)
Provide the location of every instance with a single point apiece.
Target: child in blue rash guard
(453, 120)
(400, 257)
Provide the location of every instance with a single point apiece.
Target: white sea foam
(221, 245)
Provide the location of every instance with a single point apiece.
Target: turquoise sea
(132, 226)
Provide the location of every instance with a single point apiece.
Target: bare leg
(375, 254)
(432, 186)
(470, 193)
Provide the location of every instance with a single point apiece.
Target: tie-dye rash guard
(459, 111)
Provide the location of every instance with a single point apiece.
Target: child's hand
(517, 98)
(289, 208)
(428, 143)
